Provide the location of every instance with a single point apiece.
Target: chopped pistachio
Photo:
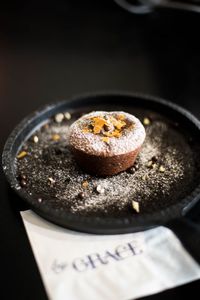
(22, 154)
(135, 206)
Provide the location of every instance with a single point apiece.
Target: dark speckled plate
(103, 101)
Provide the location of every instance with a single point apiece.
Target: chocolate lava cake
(106, 143)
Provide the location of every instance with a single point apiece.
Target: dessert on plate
(164, 171)
(106, 143)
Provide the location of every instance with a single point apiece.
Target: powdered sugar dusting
(92, 143)
(148, 186)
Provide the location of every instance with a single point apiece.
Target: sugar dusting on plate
(164, 172)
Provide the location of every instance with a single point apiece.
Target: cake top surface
(107, 133)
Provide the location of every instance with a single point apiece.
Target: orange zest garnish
(120, 124)
(109, 134)
(97, 126)
(116, 133)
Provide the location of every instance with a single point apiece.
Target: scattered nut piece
(136, 166)
(22, 154)
(131, 170)
(100, 189)
(154, 166)
(135, 206)
(161, 169)
(51, 180)
(67, 115)
(146, 121)
(23, 183)
(22, 177)
(35, 139)
(81, 195)
(18, 187)
(149, 164)
(85, 184)
(59, 118)
(55, 137)
(145, 177)
(39, 200)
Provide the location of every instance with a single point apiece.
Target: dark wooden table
(50, 50)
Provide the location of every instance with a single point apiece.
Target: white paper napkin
(79, 266)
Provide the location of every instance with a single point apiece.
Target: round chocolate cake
(106, 143)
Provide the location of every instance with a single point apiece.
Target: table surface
(51, 50)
